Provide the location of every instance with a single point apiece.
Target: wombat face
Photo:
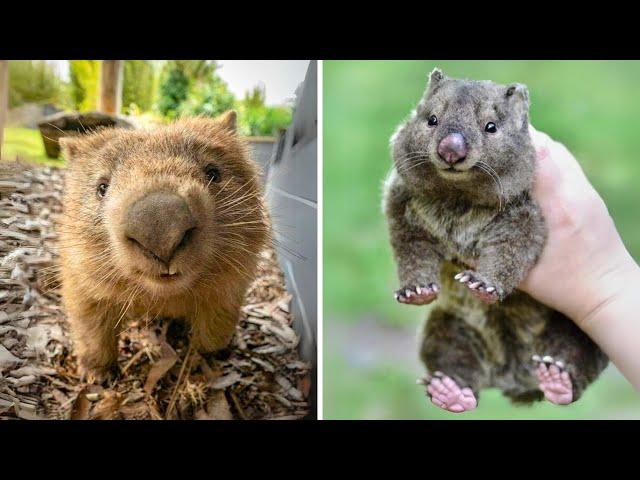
(170, 207)
(464, 130)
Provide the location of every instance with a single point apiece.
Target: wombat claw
(97, 376)
(553, 380)
(417, 294)
(478, 287)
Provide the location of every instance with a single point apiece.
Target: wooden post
(4, 98)
(111, 86)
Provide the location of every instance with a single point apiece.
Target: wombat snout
(160, 223)
(453, 148)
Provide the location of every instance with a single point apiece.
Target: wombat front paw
(97, 374)
(553, 380)
(446, 394)
(478, 286)
(417, 294)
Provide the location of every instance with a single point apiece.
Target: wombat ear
(435, 79)
(74, 146)
(228, 120)
(69, 147)
(518, 90)
(518, 95)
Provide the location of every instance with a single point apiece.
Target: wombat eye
(490, 128)
(213, 173)
(432, 121)
(102, 189)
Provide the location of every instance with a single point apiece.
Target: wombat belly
(509, 328)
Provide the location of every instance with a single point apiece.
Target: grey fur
(482, 221)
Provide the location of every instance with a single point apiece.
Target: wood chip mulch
(161, 377)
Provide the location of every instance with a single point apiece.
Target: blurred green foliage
(84, 78)
(209, 98)
(173, 91)
(34, 81)
(193, 87)
(154, 91)
(258, 119)
(591, 106)
(137, 86)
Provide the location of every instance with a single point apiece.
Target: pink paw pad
(446, 394)
(553, 380)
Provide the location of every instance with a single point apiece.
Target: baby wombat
(465, 228)
(158, 223)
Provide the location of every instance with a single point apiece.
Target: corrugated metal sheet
(292, 197)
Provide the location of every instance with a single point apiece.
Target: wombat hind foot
(446, 394)
(417, 294)
(478, 286)
(553, 380)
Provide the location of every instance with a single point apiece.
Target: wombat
(465, 229)
(167, 222)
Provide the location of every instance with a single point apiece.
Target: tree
(173, 91)
(192, 87)
(84, 76)
(258, 119)
(210, 97)
(34, 81)
(138, 86)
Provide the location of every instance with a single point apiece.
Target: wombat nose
(453, 148)
(160, 223)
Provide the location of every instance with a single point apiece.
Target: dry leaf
(161, 367)
(81, 406)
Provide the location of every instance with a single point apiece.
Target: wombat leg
(566, 361)
(214, 331)
(507, 250)
(95, 337)
(454, 353)
(479, 286)
(417, 294)
(416, 253)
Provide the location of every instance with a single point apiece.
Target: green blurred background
(370, 341)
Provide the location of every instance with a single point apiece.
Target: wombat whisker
(232, 264)
(136, 289)
(236, 224)
(418, 153)
(289, 250)
(415, 156)
(496, 179)
(55, 126)
(248, 182)
(404, 168)
(222, 189)
(232, 200)
(235, 209)
(65, 246)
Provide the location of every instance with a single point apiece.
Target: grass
(591, 106)
(26, 144)
(388, 391)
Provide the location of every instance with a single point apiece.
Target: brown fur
(107, 278)
(443, 222)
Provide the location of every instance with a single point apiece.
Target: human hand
(584, 264)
